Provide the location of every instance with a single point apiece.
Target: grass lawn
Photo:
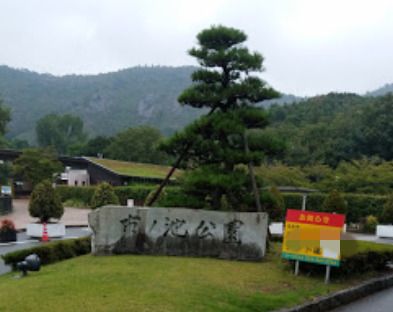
(152, 283)
(135, 169)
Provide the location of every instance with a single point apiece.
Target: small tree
(334, 202)
(45, 202)
(387, 214)
(104, 195)
(36, 165)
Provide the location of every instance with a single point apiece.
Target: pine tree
(215, 143)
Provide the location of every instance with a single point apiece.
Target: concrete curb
(345, 296)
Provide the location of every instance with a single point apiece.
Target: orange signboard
(313, 237)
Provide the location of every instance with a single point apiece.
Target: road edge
(345, 296)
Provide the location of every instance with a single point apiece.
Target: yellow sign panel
(312, 241)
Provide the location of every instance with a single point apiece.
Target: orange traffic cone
(45, 237)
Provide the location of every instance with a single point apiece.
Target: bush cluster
(84, 194)
(358, 206)
(104, 195)
(364, 262)
(45, 203)
(51, 252)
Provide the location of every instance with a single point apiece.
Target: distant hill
(107, 103)
(387, 88)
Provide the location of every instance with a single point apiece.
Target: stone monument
(178, 232)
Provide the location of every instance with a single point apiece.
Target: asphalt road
(24, 242)
(379, 302)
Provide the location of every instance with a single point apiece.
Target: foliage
(359, 206)
(82, 194)
(5, 117)
(36, 165)
(136, 192)
(137, 144)
(387, 214)
(370, 224)
(215, 143)
(107, 103)
(104, 195)
(7, 226)
(60, 132)
(357, 257)
(51, 252)
(334, 202)
(335, 127)
(363, 176)
(273, 203)
(45, 203)
(95, 146)
(5, 173)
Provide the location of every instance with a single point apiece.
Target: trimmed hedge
(359, 206)
(81, 193)
(85, 193)
(51, 252)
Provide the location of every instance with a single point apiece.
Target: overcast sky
(310, 46)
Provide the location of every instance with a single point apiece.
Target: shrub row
(51, 252)
(359, 206)
(365, 262)
(84, 194)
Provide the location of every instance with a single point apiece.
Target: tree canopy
(215, 143)
(36, 165)
(137, 144)
(61, 132)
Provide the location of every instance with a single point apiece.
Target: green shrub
(370, 224)
(137, 192)
(273, 203)
(82, 194)
(175, 197)
(387, 214)
(358, 206)
(104, 195)
(51, 252)
(363, 262)
(334, 202)
(45, 203)
(75, 203)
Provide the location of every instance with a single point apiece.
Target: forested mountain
(107, 103)
(335, 127)
(321, 129)
(387, 88)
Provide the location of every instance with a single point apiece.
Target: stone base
(54, 229)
